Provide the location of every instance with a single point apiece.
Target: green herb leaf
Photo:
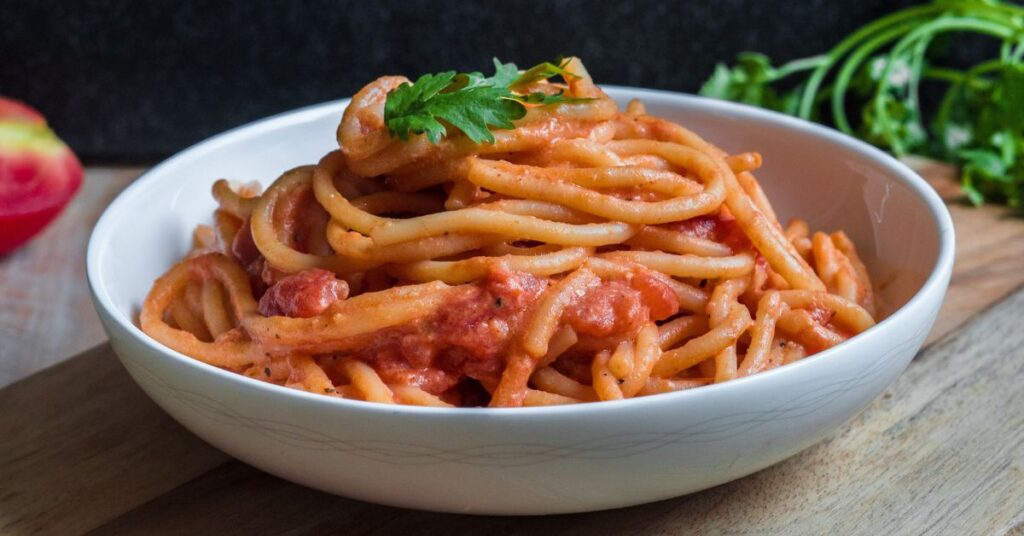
(407, 107)
(505, 74)
(474, 110)
(1009, 94)
(983, 162)
(720, 84)
(749, 82)
(469, 102)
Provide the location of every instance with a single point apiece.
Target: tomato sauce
(467, 338)
(470, 338)
(302, 295)
(716, 227)
(466, 342)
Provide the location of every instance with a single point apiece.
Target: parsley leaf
(468, 102)
(407, 107)
(749, 82)
(475, 109)
(505, 74)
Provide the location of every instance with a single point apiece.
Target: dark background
(126, 81)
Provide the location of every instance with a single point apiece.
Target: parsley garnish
(878, 71)
(468, 102)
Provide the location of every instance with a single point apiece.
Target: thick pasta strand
(645, 354)
(512, 389)
(769, 308)
(605, 384)
(548, 311)
(544, 398)
(552, 381)
(414, 396)
(167, 293)
(684, 327)
(474, 268)
(659, 239)
(367, 382)
(519, 181)
(705, 346)
(306, 375)
(722, 301)
(216, 314)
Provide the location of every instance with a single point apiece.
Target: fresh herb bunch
(979, 124)
(469, 102)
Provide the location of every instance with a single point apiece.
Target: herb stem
(849, 68)
(796, 66)
(969, 78)
(924, 32)
(844, 46)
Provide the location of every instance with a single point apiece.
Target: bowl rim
(936, 281)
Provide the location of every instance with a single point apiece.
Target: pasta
(588, 254)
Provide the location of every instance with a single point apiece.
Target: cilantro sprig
(469, 102)
(878, 70)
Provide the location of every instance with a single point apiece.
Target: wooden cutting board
(82, 449)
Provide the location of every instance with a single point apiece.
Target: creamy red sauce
(610, 308)
(821, 315)
(465, 343)
(659, 298)
(612, 312)
(716, 227)
(705, 227)
(298, 214)
(302, 295)
(825, 316)
(244, 250)
(467, 338)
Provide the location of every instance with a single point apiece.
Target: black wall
(135, 81)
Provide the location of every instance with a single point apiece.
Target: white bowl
(551, 459)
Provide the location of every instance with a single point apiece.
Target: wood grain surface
(46, 313)
(989, 249)
(82, 449)
(989, 262)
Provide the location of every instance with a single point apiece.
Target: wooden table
(82, 449)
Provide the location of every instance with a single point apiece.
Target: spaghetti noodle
(587, 254)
